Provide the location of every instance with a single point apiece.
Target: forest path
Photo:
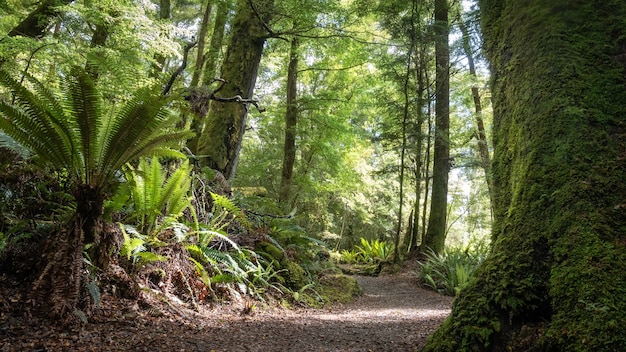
(393, 314)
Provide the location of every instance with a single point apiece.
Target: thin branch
(180, 69)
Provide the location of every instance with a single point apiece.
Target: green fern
(135, 250)
(158, 201)
(223, 207)
(74, 133)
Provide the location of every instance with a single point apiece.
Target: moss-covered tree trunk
(436, 233)
(555, 280)
(220, 141)
(36, 23)
(217, 38)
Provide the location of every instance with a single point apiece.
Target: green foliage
(375, 250)
(350, 256)
(135, 249)
(449, 271)
(157, 199)
(252, 274)
(76, 134)
(369, 251)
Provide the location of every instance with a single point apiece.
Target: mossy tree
(220, 141)
(555, 279)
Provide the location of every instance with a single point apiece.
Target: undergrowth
(448, 272)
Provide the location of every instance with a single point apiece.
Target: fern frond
(62, 121)
(209, 235)
(161, 144)
(138, 119)
(225, 203)
(84, 103)
(7, 142)
(175, 191)
(34, 124)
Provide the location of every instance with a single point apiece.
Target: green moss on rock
(339, 288)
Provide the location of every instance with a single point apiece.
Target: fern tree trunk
(555, 278)
(61, 287)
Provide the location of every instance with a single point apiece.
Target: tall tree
(481, 134)
(220, 141)
(555, 278)
(217, 38)
(202, 34)
(291, 120)
(436, 232)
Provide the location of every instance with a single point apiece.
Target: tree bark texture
(220, 141)
(291, 120)
(436, 232)
(555, 278)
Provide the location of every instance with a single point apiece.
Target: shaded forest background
(210, 149)
(364, 101)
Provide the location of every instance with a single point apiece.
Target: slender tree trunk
(483, 146)
(420, 68)
(98, 40)
(220, 142)
(217, 39)
(202, 34)
(555, 278)
(427, 153)
(210, 60)
(436, 233)
(291, 119)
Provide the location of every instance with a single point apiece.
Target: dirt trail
(392, 315)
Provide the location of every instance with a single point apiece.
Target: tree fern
(75, 134)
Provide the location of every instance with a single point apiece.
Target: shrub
(451, 270)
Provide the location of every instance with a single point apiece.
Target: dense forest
(187, 153)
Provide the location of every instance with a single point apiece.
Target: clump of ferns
(248, 272)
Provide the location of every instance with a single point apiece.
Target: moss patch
(339, 288)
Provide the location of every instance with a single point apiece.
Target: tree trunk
(555, 278)
(420, 68)
(436, 233)
(60, 289)
(220, 142)
(405, 121)
(217, 39)
(202, 33)
(291, 119)
(34, 26)
(483, 145)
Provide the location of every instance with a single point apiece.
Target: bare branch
(180, 69)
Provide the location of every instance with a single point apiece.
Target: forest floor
(393, 314)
